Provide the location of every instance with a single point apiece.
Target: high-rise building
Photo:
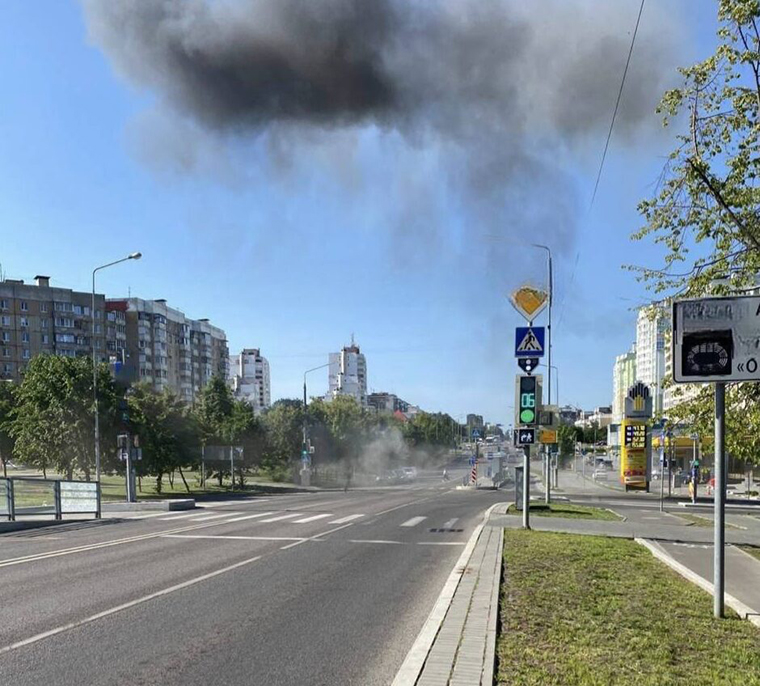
(623, 377)
(249, 378)
(386, 403)
(167, 350)
(347, 374)
(652, 330)
(37, 318)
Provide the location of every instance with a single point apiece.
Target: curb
(412, 666)
(743, 610)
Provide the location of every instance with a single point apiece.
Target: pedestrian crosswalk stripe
(343, 520)
(252, 516)
(450, 523)
(207, 517)
(171, 518)
(281, 517)
(313, 518)
(414, 521)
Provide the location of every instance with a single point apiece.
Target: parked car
(410, 473)
(600, 474)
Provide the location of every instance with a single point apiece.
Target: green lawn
(592, 611)
(567, 511)
(752, 550)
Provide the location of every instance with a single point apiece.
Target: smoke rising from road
(508, 97)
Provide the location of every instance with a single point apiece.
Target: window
(6, 352)
(7, 368)
(65, 338)
(24, 321)
(25, 337)
(77, 309)
(64, 322)
(3, 304)
(6, 337)
(98, 328)
(45, 339)
(24, 306)
(43, 307)
(44, 323)
(26, 355)
(62, 307)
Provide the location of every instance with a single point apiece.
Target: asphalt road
(324, 588)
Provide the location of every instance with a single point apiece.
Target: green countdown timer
(527, 410)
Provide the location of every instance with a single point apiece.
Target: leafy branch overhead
(705, 210)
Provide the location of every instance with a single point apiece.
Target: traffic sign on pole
(529, 341)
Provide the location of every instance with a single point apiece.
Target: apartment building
(347, 374)
(249, 378)
(652, 332)
(623, 377)
(168, 350)
(387, 403)
(37, 318)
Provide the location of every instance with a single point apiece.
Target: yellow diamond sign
(529, 301)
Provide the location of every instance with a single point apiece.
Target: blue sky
(295, 259)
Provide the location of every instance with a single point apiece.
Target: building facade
(166, 349)
(652, 332)
(387, 403)
(623, 377)
(347, 374)
(249, 378)
(37, 318)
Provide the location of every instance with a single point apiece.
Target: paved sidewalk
(463, 653)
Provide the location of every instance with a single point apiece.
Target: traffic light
(528, 400)
(123, 414)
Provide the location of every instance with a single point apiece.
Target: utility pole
(720, 499)
(526, 487)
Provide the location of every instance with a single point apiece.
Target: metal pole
(526, 487)
(232, 467)
(720, 497)
(662, 472)
(547, 475)
(95, 384)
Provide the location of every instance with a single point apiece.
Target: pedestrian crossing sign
(529, 341)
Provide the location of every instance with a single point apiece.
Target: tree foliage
(53, 424)
(705, 210)
(7, 407)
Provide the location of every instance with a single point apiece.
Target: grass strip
(568, 511)
(752, 550)
(592, 611)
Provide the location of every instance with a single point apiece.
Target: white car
(410, 473)
(600, 475)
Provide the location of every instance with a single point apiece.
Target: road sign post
(716, 340)
(526, 487)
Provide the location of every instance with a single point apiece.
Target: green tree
(705, 211)
(7, 406)
(566, 436)
(53, 423)
(167, 431)
(283, 424)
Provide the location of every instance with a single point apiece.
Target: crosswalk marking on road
(343, 520)
(313, 518)
(253, 516)
(414, 521)
(450, 523)
(208, 517)
(281, 517)
(181, 516)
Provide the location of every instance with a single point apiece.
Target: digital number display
(636, 436)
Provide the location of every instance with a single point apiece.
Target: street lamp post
(131, 256)
(308, 371)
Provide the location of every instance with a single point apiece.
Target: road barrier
(20, 496)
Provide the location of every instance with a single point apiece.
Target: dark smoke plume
(509, 94)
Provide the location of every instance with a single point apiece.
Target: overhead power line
(617, 104)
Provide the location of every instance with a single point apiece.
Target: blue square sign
(529, 341)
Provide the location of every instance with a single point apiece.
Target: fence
(20, 496)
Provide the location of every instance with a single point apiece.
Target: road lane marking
(182, 516)
(370, 540)
(253, 516)
(148, 516)
(441, 542)
(279, 518)
(313, 518)
(237, 538)
(316, 537)
(414, 521)
(398, 507)
(343, 520)
(124, 606)
(208, 517)
(450, 523)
